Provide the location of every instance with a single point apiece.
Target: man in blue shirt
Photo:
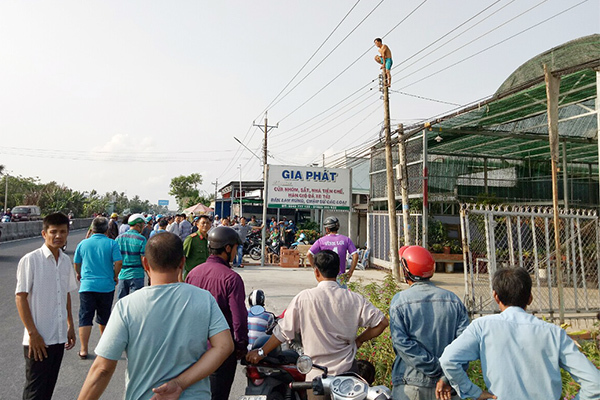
(521, 355)
(132, 244)
(424, 319)
(166, 330)
(97, 263)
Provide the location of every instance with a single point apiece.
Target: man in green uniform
(195, 246)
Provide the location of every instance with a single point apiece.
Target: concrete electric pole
(265, 128)
(389, 166)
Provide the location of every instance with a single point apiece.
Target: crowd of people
(185, 332)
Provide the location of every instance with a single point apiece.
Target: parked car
(26, 213)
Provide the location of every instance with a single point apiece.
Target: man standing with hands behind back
(44, 279)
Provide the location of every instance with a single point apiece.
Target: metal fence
(378, 235)
(512, 236)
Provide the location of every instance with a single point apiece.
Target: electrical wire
(352, 64)
(303, 135)
(449, 32)
(331, 52)
(307, 61)
(492, 46)
(423, 97)
(306, 137)
(326, 110)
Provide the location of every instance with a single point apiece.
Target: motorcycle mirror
(257, 310)
(304, 364)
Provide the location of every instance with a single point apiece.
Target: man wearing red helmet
(424, 319)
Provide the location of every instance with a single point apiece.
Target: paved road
(279, 284)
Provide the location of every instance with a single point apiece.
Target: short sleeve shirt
(132, 245)
(47, 283)
(164, 330)
(328, 317)
(339, 244)
(97, 256)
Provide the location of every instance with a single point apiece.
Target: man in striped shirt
(132, 245)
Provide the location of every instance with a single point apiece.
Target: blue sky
(126, 95)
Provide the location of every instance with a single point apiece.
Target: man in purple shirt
(339, 244)
(227, 287)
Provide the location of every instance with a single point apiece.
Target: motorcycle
(252, 245)
(300, 240)
(270, 379)
(273, 246)
(6, 218)
(346, 386)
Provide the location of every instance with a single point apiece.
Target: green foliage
(310, 225)
(185, 189)
(379, 351)
(310, 235)
(53, 197)
(437, 234)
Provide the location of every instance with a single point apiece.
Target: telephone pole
(265, 128)
(216, 183)
(390, 178)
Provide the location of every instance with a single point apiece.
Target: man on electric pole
(384, 58)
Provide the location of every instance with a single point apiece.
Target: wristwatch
(261, 352)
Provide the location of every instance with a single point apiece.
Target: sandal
(82, 356)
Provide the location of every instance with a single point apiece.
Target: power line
(352, 64)
(326, 110)
(423, 97)
(345, 133)
(449, 32)
(299, 134)
(495, 44)
(307, 61)
(331, 52)
(316, 130)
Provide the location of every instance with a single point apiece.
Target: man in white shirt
(328, 318)
(44, 279)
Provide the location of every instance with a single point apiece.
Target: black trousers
(222, 379)
(41, 376)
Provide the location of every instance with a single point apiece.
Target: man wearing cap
(113, 226)
(227, 287)
(132, 245)
(195, 246)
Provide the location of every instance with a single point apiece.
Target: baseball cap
(136, 219)
(114, 215)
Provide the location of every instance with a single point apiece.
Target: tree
(185, 189)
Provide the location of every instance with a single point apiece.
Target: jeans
(127, 286)
(239, 257)
(410, 392)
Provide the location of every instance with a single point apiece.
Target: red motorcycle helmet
(417, 262)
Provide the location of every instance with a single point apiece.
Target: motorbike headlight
(304, 364)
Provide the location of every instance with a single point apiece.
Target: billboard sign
(163, 202)
(309, 187)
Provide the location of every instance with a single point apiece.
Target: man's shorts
(91, 303)
(388, 63)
